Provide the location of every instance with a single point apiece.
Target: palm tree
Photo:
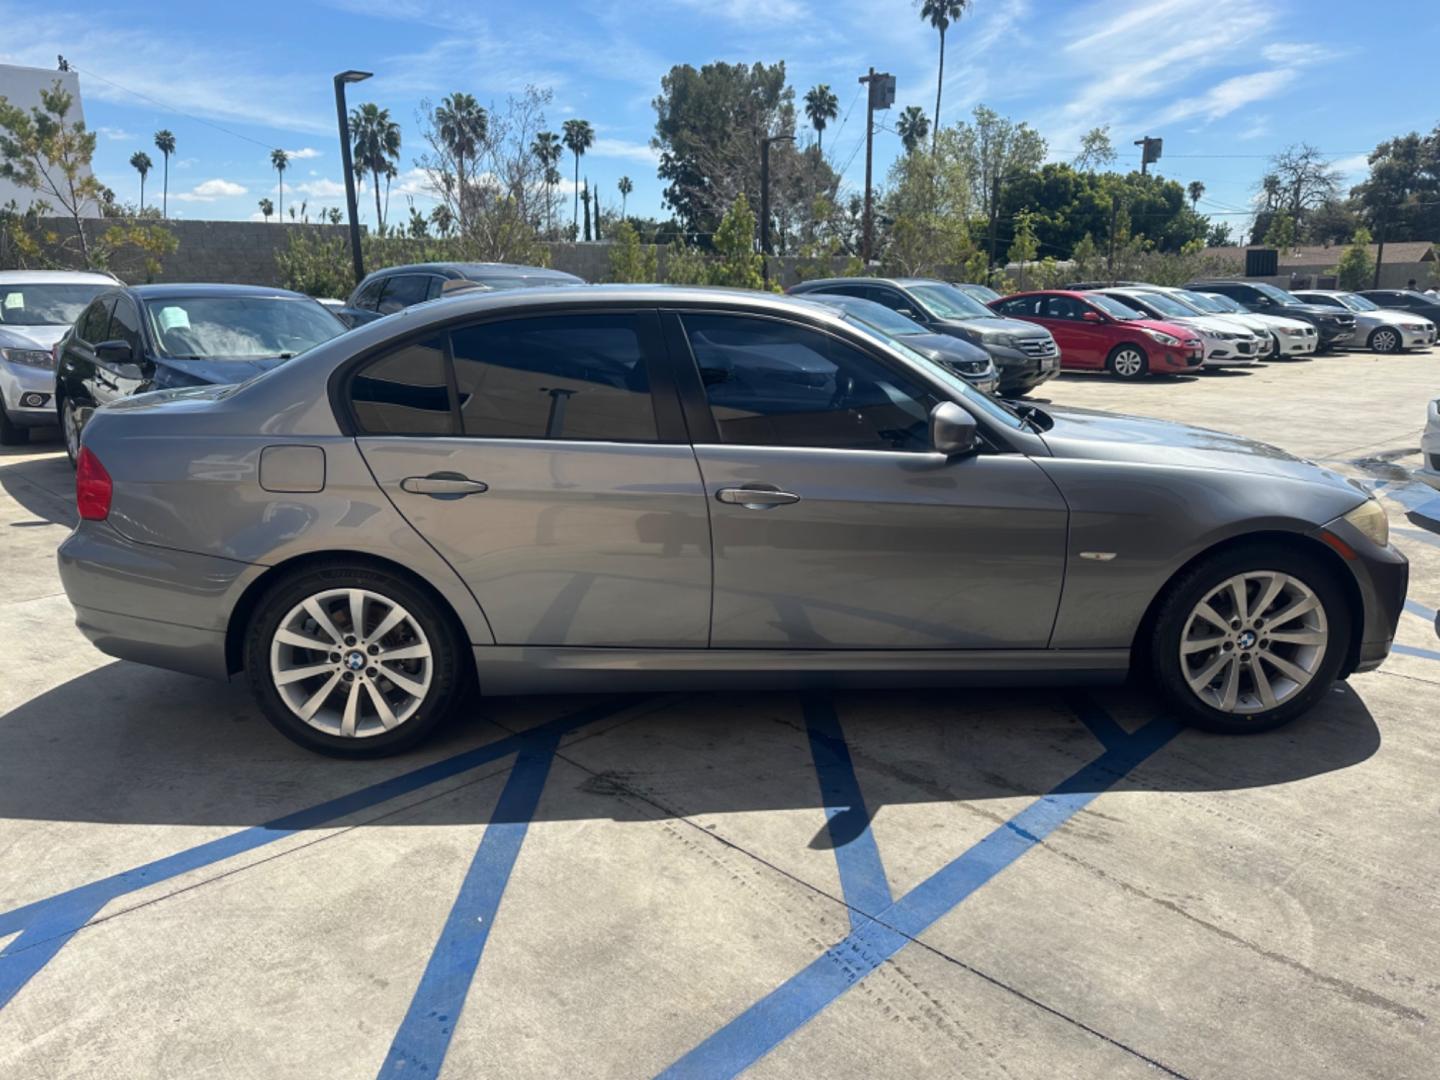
(626, 187)
(377, 148)
(140, 162)
(333, 215)
(579, 137)
(821, 106)
(267, 208)
(165, 143)
(463, 125)
(1195, 191)
(912, 127)
(442, 219)
(940, 14)
(547, 150)
(280, 161)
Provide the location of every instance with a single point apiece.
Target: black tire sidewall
(11, 433)
(450, 670)
(1199, 581)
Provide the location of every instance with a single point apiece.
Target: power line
(171, 108)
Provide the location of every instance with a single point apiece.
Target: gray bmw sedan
(645, 487)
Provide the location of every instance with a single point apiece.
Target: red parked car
(1095, 331)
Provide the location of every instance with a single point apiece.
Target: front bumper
(1430, 452)
(1333, 336)
(1296, 346)
(28, 394)
(1167, 360)
(186, 599)
(1019, 371)
(1416, 339)
(1382, 576)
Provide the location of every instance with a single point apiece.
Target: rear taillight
(93, 487)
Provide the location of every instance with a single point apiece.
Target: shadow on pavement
(43, 486)
(127, 744)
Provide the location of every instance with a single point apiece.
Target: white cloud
(115, 134)
(210, 190)
(321, 189)
(1356, 165)
(303, 153)
(1225, 97)
(621, 148)
(1298, 52)
(752, 13)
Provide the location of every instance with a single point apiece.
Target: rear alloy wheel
(1242, 645)
(1128, 362)
(1385, 340)
(353, 663)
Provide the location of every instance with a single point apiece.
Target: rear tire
(360, 704)
(1128, 362)
(11, 433)
(70, 428)
(1235, 678)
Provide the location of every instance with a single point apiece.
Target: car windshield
(983, 293)
(239, 327)
(998, 410)
(872, 314)
(1166, 305)
(948, 302)
(1280, 296)
(1114, 308)
(1358, 303)
(53, 304)
(1199, 301)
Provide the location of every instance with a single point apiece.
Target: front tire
(1250, 638)
(1385, 339)
(1128, 362)
(353, 662)
(11, 433)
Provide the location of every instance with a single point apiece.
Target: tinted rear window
(404, 392)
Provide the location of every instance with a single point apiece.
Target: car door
(896, 300)
(545, 458)
(115, 379)
(1082, 344)
(833, 523)
(77, 365)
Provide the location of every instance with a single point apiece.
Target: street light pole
(765, 203)
(344, 120)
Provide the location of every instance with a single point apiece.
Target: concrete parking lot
(1016, 883)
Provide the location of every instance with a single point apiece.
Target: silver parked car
(649, 487)
(1381, 329)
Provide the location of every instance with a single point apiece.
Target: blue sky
(1225, 82)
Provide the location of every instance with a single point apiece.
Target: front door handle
(756, 497)
(444, 485)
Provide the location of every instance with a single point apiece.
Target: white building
(22, 86)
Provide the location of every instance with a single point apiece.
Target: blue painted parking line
(1410, 650)
(778, 1015)
(46, 925)
(1414, 607)
(420, 1045)
(862, 875)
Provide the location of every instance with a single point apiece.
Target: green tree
(685, 264)
(547, 150)
(1096, 150)
(996, 148)
(1025, 246)
(821, 106)
(266, 208)
(333, 215)
(1281, 233)
(626, 187)
(376, 141)
(443, 220)
(44, 151)
(585, 199)
(940, 14)
(280, 161)
(1196, 191)
(165, 143)
(738, 265)
(140, 162)
(1356, 269)
(912, 127)
(631, 261)
(461, 126)
(579, 137)
(925, 210)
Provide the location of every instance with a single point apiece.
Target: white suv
(37, 307)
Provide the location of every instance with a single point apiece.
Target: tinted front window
(1063, 307)
(44, 305)
(402, 291)
(557, 377)
(369, 295)
(404, 392)
(1201, 302)
(1280, 296)
(772, 383)
(95, 323)
(1021, 305)
(1358, 303)
(125, 326)
(238, 327)
(1159, 303)
(1115, 309)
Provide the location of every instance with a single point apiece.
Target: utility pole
(765, 203)
(1114, 214)
(1150, 151)
(1380, 249)
(880, 95)
(994, 226)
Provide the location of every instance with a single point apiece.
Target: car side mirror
(909, 313)
(952, 430)
(115, 352)
(1092, 316)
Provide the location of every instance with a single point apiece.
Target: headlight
(1370, 518)
(1292, 333)
(41, 358)
(1162, 337)
(1008, 341)
(1414, 328)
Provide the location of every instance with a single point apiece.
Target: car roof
(177, 290)
(477, 271)
(818, 284)
(56, 277)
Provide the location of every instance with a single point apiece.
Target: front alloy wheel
(1385, 340)
(1128, 362)
(1255, 642)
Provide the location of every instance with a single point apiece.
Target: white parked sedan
(1383, 330)
(1293, 337)
(1226, 342)
(37, 307)
(1430, 447)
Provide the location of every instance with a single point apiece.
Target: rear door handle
(444, 485)
(757, 498)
